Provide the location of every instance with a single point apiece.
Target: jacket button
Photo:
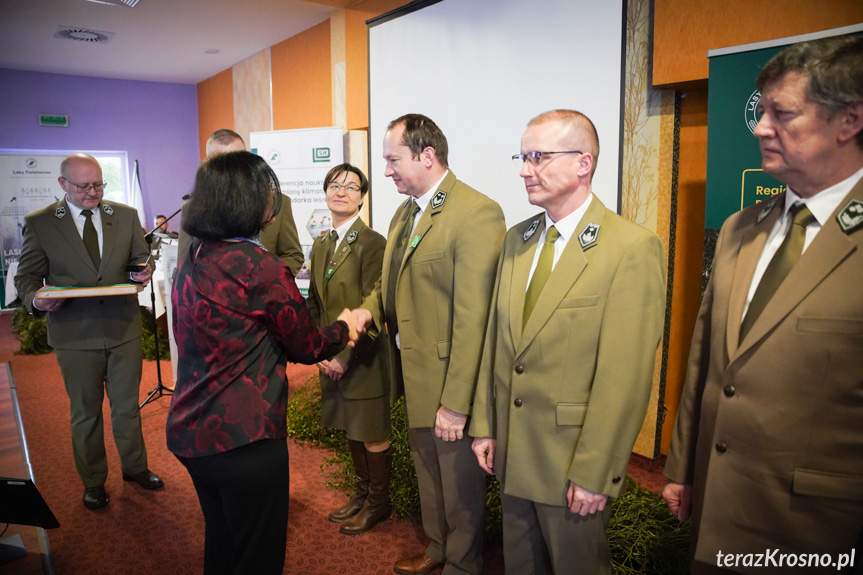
(616, 480)
(517, 402)
(729, 390)
(721, 447)
(519, 369)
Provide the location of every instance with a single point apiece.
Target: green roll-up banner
(735, 179)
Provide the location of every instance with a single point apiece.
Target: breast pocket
(427, 257)
(831, 325)
(580, 301)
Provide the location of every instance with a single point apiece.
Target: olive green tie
(332, 241)
(541, 273)
(91, 239)
(398, 255)
(784, 259)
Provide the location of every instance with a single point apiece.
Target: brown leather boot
(361, 470)
(377, 506)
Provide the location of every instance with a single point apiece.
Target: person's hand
(337, 369)
(347, 317)
(363, 318)
(483, 448)
(449, 425)
(142, 277)
(679, 499)
(48, 304)
(324, 366)
(584, 501)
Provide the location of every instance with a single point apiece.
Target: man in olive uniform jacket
(442, 247)
(279, 238)
(83, 240)
(767, 452)
(576, 317)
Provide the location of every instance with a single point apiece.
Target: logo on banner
(751, 114)
(31, 163)
(273, 157)
(320, 154)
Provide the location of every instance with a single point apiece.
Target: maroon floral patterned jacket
(238, 318)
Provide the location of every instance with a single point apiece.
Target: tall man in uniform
(436, 282)
(83, 240)
(279, 238)
(767, 452)
(576, 317)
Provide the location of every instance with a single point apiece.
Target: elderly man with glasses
(83, 240)
(577, 313)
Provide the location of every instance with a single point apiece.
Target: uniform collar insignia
(588, 236)
(352, 237)
(108, 209)
(765, 211)
(60, 212)
(851, 216)
(438, 199)
(528, 233)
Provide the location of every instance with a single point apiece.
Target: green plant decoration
(31, 332)
(148, 321)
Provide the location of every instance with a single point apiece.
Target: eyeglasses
(336, 187)
(95, 186)
(535, 158)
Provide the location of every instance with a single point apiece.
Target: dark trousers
(244, 496)
(89, 375)
(541, 539)
(452, 499)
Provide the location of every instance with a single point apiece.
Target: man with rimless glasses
(576, 317)
(83, 240)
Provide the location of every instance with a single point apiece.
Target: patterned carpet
(162, 532)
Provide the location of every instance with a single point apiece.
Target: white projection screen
(481, 69)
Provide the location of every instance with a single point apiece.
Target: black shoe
(146, 479)
(95, 497)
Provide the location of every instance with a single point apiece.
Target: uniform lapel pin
(588, 236)
(531, 230)
(851, 216)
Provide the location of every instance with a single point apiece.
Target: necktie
(782, 262)
(541, 273)
(399, 250)
(91, 239)
(332, 241)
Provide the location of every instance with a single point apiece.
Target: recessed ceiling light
(211, 51)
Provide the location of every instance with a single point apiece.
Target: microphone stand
(160, 388)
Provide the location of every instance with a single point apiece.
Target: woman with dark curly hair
(238, 318)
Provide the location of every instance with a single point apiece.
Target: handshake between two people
(358, 321)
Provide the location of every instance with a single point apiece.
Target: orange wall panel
(689, 249)
(215, 106)
(684, 30)
(302, 80)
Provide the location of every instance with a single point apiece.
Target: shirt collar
(566, 225)
(824, 203)
(76, 211)
(342, 230)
